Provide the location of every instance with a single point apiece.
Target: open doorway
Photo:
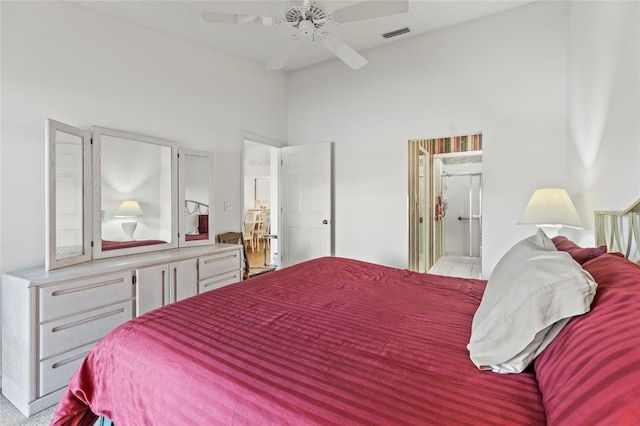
(445, 205)
(260, 212)
(290, 188)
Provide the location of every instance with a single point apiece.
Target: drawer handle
(87, 287)
(68, 360)
(220, 280)
(218, 259)
(84, 321)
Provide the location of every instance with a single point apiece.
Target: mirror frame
(97, 133)
(182, 167)
(51, 140)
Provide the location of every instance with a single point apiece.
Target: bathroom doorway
(445, 205)
(261, 192)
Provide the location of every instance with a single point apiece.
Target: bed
(341, 341)
(196, 216)
(116, 245)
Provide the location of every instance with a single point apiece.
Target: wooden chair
(262, 229)
(257, 234)
(248, 235)
(251, 221)
(236, 238)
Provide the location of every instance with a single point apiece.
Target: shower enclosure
(461, 231)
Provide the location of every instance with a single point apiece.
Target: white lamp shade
(551, 206)
(129, 208)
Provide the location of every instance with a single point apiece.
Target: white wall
(504, 76)
(604, 109)
(63, 62)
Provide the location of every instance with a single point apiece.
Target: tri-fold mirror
(139, 194)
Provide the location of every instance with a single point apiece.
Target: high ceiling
(257, 43)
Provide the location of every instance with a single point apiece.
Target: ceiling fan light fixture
(396, 32)
(306, 28)
(309, 20)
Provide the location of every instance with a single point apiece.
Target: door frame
(449, 146)
(272, 143)
(416, 149)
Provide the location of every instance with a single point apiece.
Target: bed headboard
(195, 207)
(620, 230)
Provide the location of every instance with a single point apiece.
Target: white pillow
(532, 293)
(191, 224)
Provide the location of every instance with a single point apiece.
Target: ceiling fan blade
(231, 18)
(369, 10)
(343, 51)
(282, 55)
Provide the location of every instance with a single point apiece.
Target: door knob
(324, 222)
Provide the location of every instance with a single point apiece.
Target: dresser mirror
(196, 197)
(113, 193)
(134, 188)
(68, 195)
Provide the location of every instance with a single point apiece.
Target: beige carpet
(10, 416)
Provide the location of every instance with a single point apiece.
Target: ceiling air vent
(396, 32)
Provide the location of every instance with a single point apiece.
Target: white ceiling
(182, 19)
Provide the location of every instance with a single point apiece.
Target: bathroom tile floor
(458, 266)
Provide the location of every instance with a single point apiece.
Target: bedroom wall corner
(603, 107)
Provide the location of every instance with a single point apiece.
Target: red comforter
(329, 341)
(115, 245)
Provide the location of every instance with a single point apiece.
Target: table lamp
(129, 209)
(551, 209)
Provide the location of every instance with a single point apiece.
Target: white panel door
(306, 203)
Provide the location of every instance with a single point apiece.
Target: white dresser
(50, 320)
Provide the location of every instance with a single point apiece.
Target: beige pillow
(532, 293)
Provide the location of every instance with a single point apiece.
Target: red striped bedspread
(590, 373)
(330, 341)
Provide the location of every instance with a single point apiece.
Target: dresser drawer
(219, 263)
(219, 281)
(84, 294)
(72, 332)
(55, 372)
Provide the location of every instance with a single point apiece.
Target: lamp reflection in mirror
(551, 209)
(127, 209)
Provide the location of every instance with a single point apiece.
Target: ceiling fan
(308, 19)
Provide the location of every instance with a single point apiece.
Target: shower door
(462, 230)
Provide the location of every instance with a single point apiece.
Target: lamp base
(550, 230)
(129, 228)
